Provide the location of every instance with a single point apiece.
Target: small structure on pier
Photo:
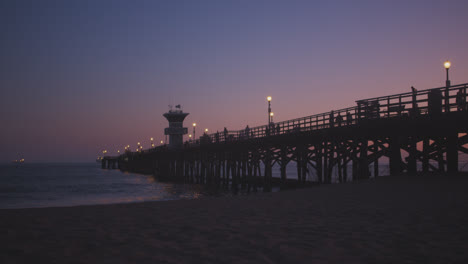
(175, 130)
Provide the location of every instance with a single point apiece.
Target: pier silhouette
(429, 126)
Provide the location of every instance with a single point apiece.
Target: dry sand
(387, 220)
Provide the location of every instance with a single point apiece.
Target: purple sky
(78, 77)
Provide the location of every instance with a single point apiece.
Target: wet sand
(386, 220)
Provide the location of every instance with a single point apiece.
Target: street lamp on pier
(194, 125)
(447, 65)
(152, 142)
(206, 130)
(271, 117)
(269, 109)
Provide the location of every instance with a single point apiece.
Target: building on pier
(176, 131)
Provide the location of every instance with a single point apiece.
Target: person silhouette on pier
(331, 119)
(247, 131)
(225, 134)
(349, 118)
(278, 129)
(339, 119)
(461, 100)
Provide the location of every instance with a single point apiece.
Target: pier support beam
(363, 160)
(268, 171)
(425, 158)
(326, 161)
(394, 155)
(440, 153)
(283, 162)
(412, 167)
(452, 153)
(318, 162)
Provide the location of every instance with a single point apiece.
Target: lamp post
(194, 125)
(138, 146)
(152, 142)
(269, 109)
(190, 137)
(271, 117)
(206, 130)
(447, 65)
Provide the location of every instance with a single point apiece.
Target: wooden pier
(429, 127)
(109, 162)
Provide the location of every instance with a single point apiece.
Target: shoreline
(242, 193)
(388, 219)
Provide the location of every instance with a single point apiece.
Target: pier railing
(405, 105)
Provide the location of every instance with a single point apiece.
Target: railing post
(415, 109)
(388, 106)
(399, 106)
(464, 98)
(447, 99)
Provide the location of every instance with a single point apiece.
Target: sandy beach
(384, 220)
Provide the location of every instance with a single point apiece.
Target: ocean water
(52, 185)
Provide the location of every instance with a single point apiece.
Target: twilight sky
(78, 77)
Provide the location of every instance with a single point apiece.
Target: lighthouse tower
(175, 130)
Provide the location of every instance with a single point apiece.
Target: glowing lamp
(447, 65)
